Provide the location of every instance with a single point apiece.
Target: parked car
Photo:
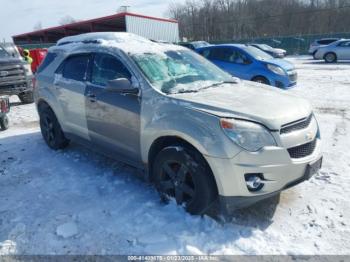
(320, 43)
(194, 45)
(339, 50)
(274, 52)
(250, 63)
(202, 136)
(4, 109)
(16, 76)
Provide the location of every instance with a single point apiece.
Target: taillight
(3, 106)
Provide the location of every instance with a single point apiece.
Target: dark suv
(16, 76)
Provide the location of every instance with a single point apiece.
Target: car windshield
(266, 47)
(200, 44)
(257, 53)
(183, 71)
(3, 52)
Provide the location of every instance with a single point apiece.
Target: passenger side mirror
(122, 86)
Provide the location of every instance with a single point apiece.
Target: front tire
(27, 97)
(51, 129)
(4, 123)
(182, 173)
(261, 80)
(330, 58)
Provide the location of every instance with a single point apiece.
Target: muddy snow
(77, 202)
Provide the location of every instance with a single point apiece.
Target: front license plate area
(313, 168)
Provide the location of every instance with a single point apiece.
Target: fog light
(254, 182)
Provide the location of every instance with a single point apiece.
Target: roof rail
(84, 42)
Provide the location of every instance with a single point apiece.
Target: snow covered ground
(77, 202)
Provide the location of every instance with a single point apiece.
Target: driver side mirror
(122, 86)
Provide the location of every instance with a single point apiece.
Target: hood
(286, 65)
(247, 100)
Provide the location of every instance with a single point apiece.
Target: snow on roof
(127, 42)
(120, 37)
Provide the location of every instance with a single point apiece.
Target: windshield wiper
(218, 84)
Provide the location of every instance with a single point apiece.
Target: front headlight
(248, 135)
(276, 69)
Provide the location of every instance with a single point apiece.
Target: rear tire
(4, 123)
(261, 80)
(330, 57)
(27, 97)
(51, 129)
(182, 173)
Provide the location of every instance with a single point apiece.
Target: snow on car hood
(248, 100)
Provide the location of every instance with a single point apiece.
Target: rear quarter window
(75, 67)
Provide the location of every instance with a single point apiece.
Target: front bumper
(16, 89)
(278, 169)
(285, 82)
(231, 203)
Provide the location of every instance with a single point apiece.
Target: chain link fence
(295, 45)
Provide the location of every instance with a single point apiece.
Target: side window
(205, 53)
(222, 54)
(345, 44)
(107, 67)
(75, 67)
(241, 58)
(228, 55)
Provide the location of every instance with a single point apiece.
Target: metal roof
(112, 23)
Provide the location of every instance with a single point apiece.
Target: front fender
(200, 129)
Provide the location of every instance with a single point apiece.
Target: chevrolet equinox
(201, 136)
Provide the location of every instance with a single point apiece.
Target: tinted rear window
(326, 42)
(75, 67)
(50, 57)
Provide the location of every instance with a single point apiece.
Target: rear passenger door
(113, 118)
(70, 85)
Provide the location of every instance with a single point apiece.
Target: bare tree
(67, 20)
(236, 19)
(38, 26)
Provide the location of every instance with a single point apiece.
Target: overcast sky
(20, 16)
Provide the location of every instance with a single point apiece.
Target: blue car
(250, 63)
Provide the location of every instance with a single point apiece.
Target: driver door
(113, 118)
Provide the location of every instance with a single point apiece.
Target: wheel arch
(260, 76)
(166, 141)
(43, 102)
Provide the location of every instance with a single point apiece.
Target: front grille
(293, 76)
(11, 74)
(303, 150)
(295, 126)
